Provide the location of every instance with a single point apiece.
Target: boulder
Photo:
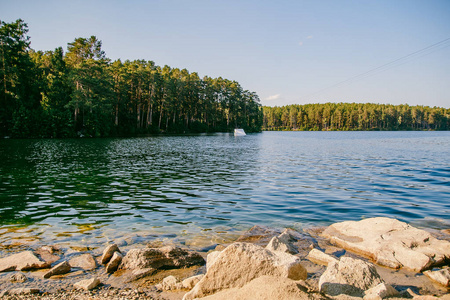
(22, 261)
(349, 277)
(114, 263)
(87, 284)
(283, 242)
(240, 263)
(167, 257)
(390, 243)
(441, 276)
(61, 268)
(108, 253)
(318, 257)
(18, 277)
(168, 283)
(84, 261)
(190, 282)
(267, 288)
(381, 291)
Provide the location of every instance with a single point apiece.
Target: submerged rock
(240, 263)
(22, 261)
(350, 277)
(390, 243)
(156, 258)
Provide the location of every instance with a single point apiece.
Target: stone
(350, 277)
(441, 276)
(380, 291)
(211, 258)
(390, 243)
(18, 277)
(240, 263)
(259, 235)
(190, 282)
(84, 261)
(46, 254)
(22, 261)
(283, 242)
(87, 284)
(61, 268)
(167, 257)
(168, 283)
(108, 253)
(318, 257)
(114, 263)
(267, 288)
(23, 291)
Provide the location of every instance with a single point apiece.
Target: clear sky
(288, 52)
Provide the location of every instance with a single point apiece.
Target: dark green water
(93, 190)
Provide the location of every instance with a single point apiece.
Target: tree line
(355, 116)
(84, 93)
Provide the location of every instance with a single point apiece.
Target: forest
(83, 93)
(355, 116)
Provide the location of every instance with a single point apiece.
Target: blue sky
(288, 52)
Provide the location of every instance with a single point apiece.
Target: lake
(89, 191)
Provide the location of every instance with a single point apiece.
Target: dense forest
(83, 93)
(355, 116)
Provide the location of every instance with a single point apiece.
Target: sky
(288, 52)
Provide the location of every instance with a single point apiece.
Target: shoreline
(113, 285)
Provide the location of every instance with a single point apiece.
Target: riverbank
(155, 269)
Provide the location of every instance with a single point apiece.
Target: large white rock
(349, 276)
(22, 261)
(240, 263)
(390, 243)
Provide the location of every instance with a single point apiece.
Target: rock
(240, 263)
(258, 235)
(23, 291)
(283, 242)
(18, 277)
(267, 288)
(87, 284)
(22, 261)
(390, 243)
(84, 261)
(350, 277)
(441, 276)
(190, 282)
(318, 257)
(114, 263)
(380, 291)
(46, 254)
(211, 258)
(61, 268)
(167, 257)
(168, 283)
(108, 253)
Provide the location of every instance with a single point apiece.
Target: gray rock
(18, 277)
(114, 263)
(87, 284)
(441, 276)
(239, 263)
(61, 268)
(390, 243)
(165, 257)
(350, 277)
(108, 253)
(22, 261)
(84, 261)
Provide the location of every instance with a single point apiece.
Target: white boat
(239, 132)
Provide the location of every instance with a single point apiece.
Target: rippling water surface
(87, 189)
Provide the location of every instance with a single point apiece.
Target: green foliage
(83, 93)
(355, 116)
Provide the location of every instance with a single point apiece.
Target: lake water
(95, 190)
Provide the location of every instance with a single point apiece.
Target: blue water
(86, 189)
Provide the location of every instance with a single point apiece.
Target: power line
(397, 62)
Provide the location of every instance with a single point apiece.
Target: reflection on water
(87, 189)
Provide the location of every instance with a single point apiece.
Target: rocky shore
(375, 258)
